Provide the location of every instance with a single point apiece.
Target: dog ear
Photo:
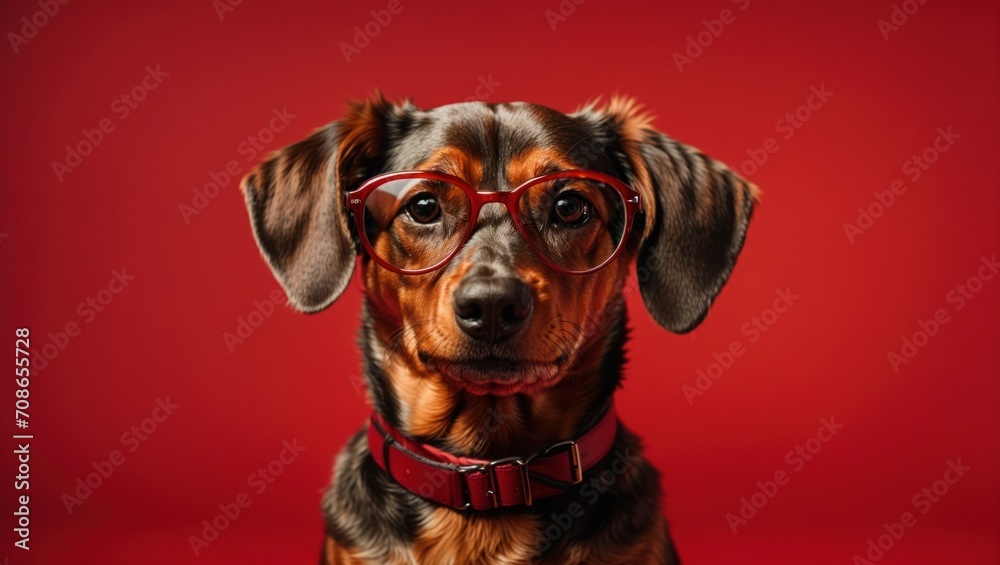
(696, 216)
(296, 203)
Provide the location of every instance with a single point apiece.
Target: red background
(825, 357)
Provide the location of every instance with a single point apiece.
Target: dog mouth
(495, 375)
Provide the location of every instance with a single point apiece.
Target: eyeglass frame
(357, 198)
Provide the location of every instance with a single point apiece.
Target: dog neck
(426, 407)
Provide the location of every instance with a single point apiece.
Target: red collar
(463, 483)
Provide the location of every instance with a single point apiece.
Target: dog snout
(492, 308)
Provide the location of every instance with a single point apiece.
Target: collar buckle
(465, 470)
(489, 469)
(522, 468)
(575, 465)
(476, 483)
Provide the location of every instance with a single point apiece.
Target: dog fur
(685, 244)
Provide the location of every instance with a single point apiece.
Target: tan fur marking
(458, 538)
(455, 162)
(533, 162)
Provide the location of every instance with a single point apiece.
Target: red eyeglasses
(413, 222)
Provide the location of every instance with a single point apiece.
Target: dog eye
(571, 209)
(423, 208)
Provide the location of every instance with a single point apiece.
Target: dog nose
(490, 308)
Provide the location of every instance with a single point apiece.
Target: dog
(495, 245)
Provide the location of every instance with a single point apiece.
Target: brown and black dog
(446, 393)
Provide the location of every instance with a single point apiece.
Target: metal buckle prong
(576, 470)
(576, 467)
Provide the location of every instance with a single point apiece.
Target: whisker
(398, 339)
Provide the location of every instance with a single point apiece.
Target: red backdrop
(131, 205)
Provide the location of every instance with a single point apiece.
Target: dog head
(496, 320)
